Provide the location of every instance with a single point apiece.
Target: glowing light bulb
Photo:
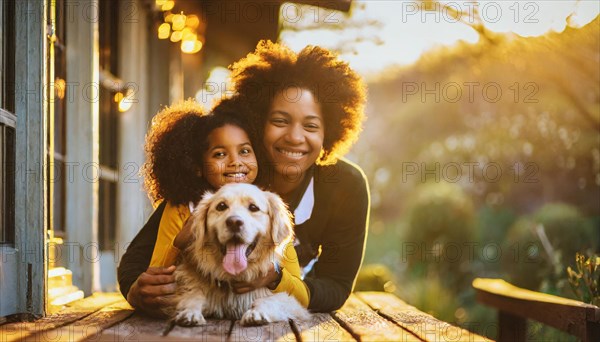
(192, 21)
(191, 46)
(178, 22)
(118, 97)
(168, 5)
(176, 36)
(164, 31)
(126, 101)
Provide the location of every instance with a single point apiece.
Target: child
(189, 153)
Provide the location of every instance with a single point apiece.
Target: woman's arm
(343, 238)
(145, 288)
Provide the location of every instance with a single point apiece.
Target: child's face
(229, 157)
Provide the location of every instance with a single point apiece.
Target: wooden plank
(214, 330)
(72, 313)
(321, 327)
(89, 327)
(279, 331)
(410, 318)
(109, 337)
(365, 324)
(135, 328)
(565, 314)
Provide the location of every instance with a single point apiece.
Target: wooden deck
(366, 316)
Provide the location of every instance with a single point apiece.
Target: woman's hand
(153, 291)
(240, 287)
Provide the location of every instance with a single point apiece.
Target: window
(7, 123)
(7, 177)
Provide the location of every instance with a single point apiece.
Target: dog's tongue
(235, 260)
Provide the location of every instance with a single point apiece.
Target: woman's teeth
(292, 154)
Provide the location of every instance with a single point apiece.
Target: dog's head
(238, 226)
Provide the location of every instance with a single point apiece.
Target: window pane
(107, 219)
(7, 96)
(7, 179)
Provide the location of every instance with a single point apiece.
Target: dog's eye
(252, 207)
(222, 206)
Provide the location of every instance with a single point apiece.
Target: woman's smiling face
(294, 132)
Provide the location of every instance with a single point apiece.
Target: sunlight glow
(380, 34)
(215, 87)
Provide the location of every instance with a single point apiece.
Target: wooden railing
(515, 305)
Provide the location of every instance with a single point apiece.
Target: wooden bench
(515, 305)
(368, 316)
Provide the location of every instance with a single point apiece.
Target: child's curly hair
(174, 154)
(337, 88)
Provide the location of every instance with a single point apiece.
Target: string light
(176, 36)
(191, 46)
(178, 22)
(168, 5)
(125, 101)
(192, 21)
(178, 28)
(164, 31)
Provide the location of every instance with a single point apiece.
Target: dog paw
(189, 318)
(254, 317)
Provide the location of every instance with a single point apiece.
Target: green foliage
(585, 282)
(540, 245)
(441, 229)
(493, 222)
(375, 277)
(441, 212)
(524, 264)
(567, 230)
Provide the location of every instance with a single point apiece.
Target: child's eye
(218, 154)
(245, 151)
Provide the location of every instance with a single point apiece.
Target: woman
(308, 109)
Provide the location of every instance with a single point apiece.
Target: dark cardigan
(337, 227)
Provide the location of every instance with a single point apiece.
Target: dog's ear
(197, 219)
(281, 219)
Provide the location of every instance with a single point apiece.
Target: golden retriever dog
(237, 231)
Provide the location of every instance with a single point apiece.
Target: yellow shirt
(165, 253)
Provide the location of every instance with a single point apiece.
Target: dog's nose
(234, 223)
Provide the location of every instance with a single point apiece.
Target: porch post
(82, 138)
(31, 133)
